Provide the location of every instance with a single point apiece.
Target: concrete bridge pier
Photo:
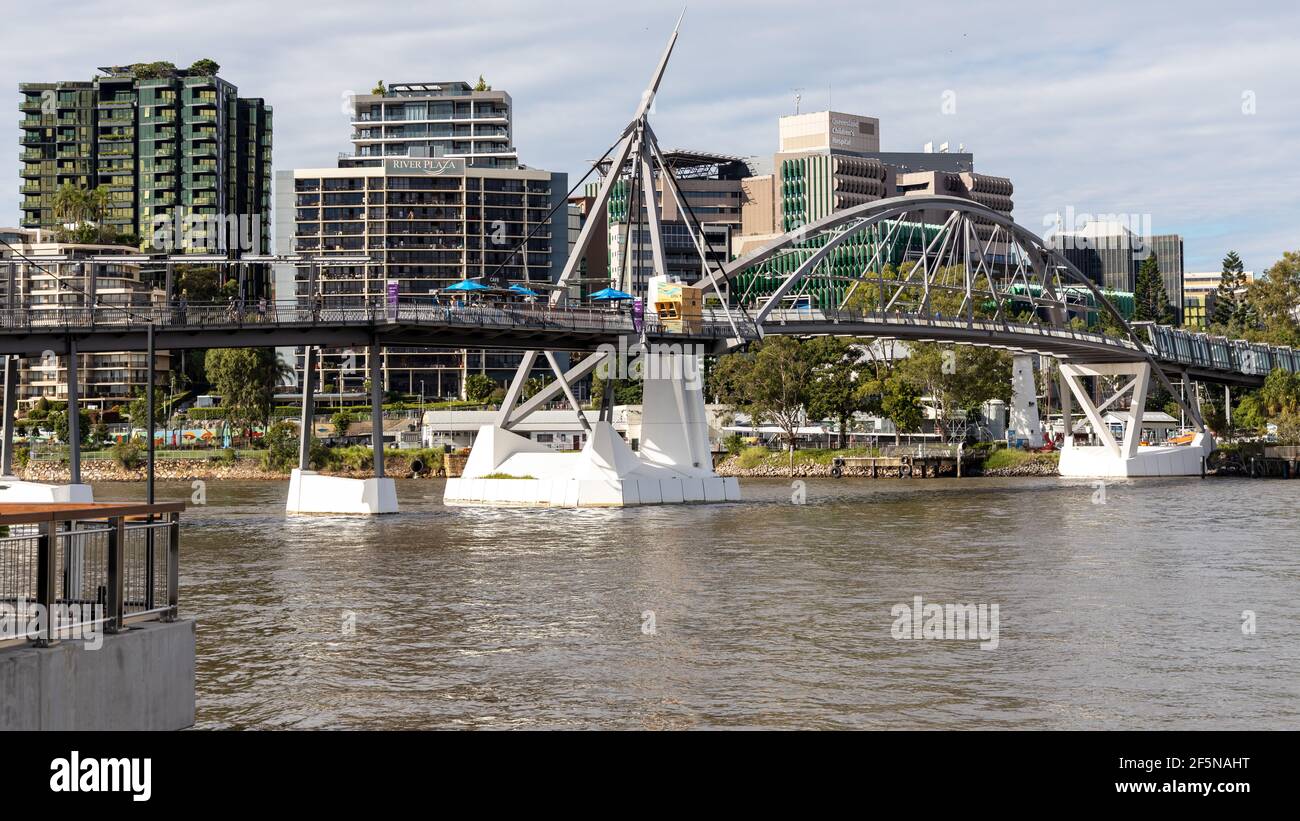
(673, 466)
(13, 489)
(1126, 456)
(312, 493)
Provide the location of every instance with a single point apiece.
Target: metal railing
(1169, 344)
(94, 565)
(797, 316)
(299, 312)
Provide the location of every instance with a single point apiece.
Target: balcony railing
(66, 569)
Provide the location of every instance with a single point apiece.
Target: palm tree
(70, 205)
(97, 200)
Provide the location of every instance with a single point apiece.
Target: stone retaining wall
(108, 470)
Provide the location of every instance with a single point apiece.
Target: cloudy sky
(1188, 111)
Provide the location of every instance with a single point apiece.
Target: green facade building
(168, 145)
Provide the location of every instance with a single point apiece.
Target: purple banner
(392, 298)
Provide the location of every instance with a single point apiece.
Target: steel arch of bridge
(968, 233)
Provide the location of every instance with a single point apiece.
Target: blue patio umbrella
(609, 295)
(466, 286)
(522, 290)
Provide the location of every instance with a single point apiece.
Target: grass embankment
(976, 460)
(757, 456)
(1013, 460)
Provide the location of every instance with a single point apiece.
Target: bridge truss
(936, 268)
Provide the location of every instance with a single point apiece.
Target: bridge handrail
(838, 316)
(297, 312)
(1197, 349)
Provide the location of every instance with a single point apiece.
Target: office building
(1196, 283)
(711, 188)
(1198, 309)
(592, 272)
(1110, 254)
(185, 161)
(829, 161)
(42, 276)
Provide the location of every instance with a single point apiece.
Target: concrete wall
(142, 679)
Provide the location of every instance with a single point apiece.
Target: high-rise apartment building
(43, 276)
(425, 224)
(434, 120)
(433, 194)
(185, 160)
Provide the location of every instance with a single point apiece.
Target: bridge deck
(520, 326)
(1210, 359)
(524, 326)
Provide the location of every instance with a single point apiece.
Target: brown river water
(766, 613)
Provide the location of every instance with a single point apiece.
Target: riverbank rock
(730, 466)
(108, 470)
(1043, 464)
(1036, 464)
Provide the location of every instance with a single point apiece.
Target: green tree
(532, 387)
(1273, 301)
(1280, 393)
(898, 400)
(482, 85)
(137, 409)
(70, 204)
(1288, 428)
(341, 421)
(281, 447)
(1250, 413)
(379, 88)
(769, 382)
(159, 68)
(58, 421)
(777, 382)
(1215, 419)
(958, 379)
(626, 391)
(1227, 304)
(205, 67)
(478, 387)
(1151, 301)
(834, 392)
(246, 379)
(199, 283)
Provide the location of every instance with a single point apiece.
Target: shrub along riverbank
(976, 461)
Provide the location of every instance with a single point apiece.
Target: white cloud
(1106, 107)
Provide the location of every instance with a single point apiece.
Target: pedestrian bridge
(1201, 357)
(409, 321)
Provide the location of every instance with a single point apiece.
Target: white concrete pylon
(1126, 456)
(1024, 419)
